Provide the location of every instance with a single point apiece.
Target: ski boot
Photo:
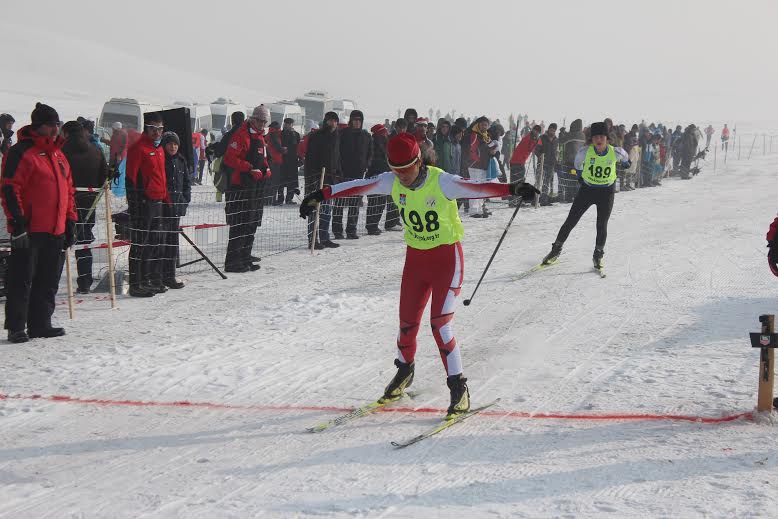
(402, 379)
(597, 258)
(553, 256)
(460, 396)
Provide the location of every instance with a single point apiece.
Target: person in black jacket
(6, 132)
(179, 190)
(323, 152)
(290, 139)
(89, 170)
(355, 158)
(376, 203)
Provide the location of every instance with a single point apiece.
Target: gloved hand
(268, 173)
(19, 237)
(70, 233)
(309, 203)
(772, 244)
(257, 174)
(524, 190)
(626, 165)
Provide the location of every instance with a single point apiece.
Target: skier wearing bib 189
(434, 264)
(596, 166)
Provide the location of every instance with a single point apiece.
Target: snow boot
(597, 258)
(460, 395)
(553, 256)
(402, 379)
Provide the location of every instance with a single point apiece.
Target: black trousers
(375, 208)
(84, 236)
(32, 282)
(145, 235)
(169, 246)
(352, 203)
(602, 197)
(243, 209)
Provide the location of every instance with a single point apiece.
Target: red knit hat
(402, 151)
(378, 128)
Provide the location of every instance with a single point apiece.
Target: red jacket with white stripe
(37, 187)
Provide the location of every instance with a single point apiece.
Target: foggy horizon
(677, 61)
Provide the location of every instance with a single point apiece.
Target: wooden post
(715, 148)
(764, 144)
(766, 365)
(536, 201)
(69, 282)
(316, 217)
(109, 237)
(752, 148)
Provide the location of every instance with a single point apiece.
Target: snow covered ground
(664, 333)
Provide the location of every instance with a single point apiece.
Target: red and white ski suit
(436, 272)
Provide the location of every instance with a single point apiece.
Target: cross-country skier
(434, 264)
(596, 166)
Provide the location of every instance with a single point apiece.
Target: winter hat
(378, 129)
(44, 114)
(72, 128)
(288, 120)
(422, 121)
(598, 129)
(356, 114)
(117, 125)
(410, 112)
(261, 113)
(6, 118)
(329, 116)
(461, 122)
(170, 137)
(402, 151)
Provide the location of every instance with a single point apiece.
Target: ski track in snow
(664, 333)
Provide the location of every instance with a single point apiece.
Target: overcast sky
(657, 60)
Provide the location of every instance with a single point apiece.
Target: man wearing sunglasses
(146, 191)
(246, 169)
(434, 262)
(37, 195)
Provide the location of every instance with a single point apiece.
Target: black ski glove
(19, 237)
(626, 165)
(70, 233)
(309, 203)
(524, 190)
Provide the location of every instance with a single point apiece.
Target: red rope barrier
(406, 410)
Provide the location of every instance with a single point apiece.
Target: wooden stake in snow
(70, 283)
(767, 340)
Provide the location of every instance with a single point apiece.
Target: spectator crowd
(257, 163)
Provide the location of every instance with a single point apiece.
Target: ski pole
(468, 301)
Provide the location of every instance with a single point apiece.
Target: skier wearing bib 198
(434, 264)
(596, 166)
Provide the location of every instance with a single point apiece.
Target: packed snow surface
(666, 333)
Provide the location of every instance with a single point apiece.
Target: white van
(343, 107)
(221, 111)
(200, 115)
(127, 111)
(316, 103)
(283, 109)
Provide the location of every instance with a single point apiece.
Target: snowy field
(271, 353)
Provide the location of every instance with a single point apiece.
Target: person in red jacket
(276, 151)
(146, 191)
(246, 167)
(520, 155)
(37, 195)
